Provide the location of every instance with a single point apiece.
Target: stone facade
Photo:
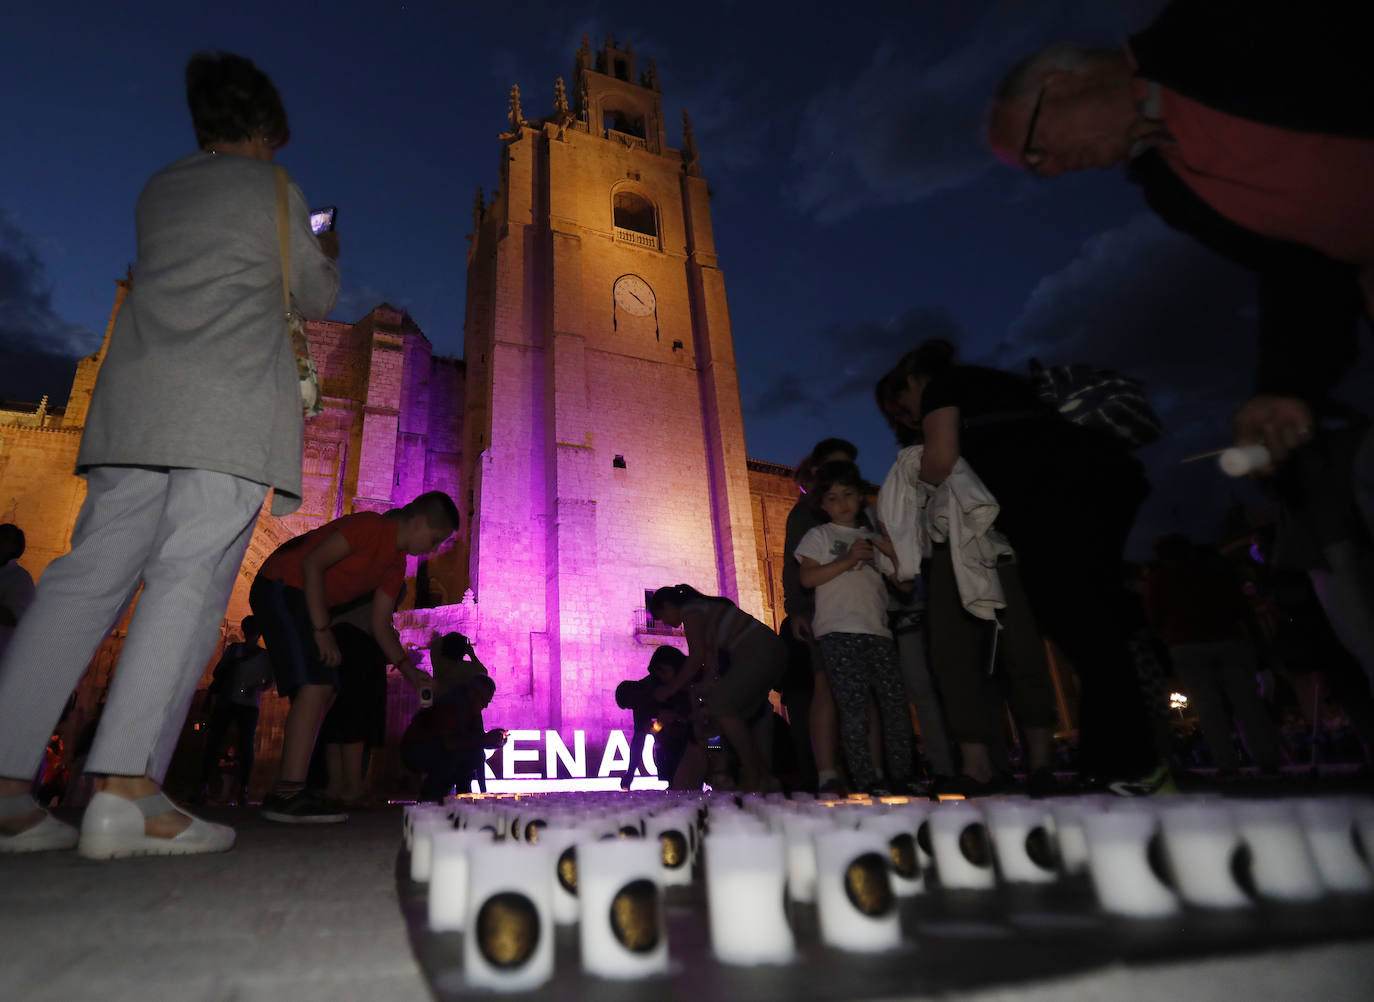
(592, 436)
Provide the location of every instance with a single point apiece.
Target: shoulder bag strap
(284, 232)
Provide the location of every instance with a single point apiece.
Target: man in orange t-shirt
(292, 597)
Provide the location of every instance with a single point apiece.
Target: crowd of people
(933, 593)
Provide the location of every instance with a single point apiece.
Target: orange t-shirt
(1305, 187)
(373, 561)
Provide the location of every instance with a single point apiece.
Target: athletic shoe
(1159, 781)
(302, 808)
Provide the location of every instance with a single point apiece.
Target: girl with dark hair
(1068, 496)
(845, 559)
(738, 660)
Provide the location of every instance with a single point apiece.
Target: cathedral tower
(604, 445)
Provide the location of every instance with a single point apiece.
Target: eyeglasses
(1032, 155)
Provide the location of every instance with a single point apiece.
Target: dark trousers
(1069, 549)
(443, 768)
(245, 719)
(960, 644)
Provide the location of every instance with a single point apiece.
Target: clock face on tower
(633, 295)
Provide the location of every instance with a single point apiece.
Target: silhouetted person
(447, 742)
(242, 674)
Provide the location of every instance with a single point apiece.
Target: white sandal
(112, 828)
(49, 834)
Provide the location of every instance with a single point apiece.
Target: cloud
(1151, 302)
(39, 347)
(844, 363)
(909, 123)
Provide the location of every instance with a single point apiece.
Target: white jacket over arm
(961, 511)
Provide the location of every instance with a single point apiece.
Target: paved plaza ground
(306, 913)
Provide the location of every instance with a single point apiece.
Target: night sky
(856, 207)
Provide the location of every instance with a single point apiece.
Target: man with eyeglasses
(1250, 126)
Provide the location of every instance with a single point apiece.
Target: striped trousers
(182, 533)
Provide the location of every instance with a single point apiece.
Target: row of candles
(505, 869)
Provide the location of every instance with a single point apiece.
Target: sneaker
(302, 808)
(1159, 781)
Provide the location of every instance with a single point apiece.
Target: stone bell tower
(604, 441)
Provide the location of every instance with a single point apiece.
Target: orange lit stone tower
(604, 446)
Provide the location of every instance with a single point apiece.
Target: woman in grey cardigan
(195, 415)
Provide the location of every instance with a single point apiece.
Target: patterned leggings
(854, 663)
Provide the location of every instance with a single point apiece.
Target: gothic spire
(516, 116)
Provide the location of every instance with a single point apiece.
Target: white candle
(671, 831)
(1281, 863)
(561, 839)
(855, 903)
(622, 932)
(1329, 823)
(448, 877)
(1203, 846)
(744, 892)
(903, 859)
(1069, 839)
(508, 945)
(800, 854)
(422, 830)
(1023, 839)
(960, 845)
(1119, 850)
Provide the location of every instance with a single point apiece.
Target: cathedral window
(625, 123)
(634, 212)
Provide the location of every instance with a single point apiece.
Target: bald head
(1064, 108)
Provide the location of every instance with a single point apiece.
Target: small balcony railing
(646, 624)
(636, 238)
(629, 141)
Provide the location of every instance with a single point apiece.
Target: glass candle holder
(1207, 857)
(448, 877)
(622, 932)
(1023, 840)
(508, 944)
(959, 842)
(1126, 859)
(855, 903)
(744, 893)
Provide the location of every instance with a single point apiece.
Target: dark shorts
(285, 624)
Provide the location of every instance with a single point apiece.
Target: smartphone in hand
(322, 220)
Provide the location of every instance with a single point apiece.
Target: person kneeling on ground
(446, 742)
(680, 761)
(292, 596)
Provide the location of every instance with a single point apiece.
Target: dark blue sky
(856, 208)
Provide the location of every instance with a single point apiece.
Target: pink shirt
(1309, 188)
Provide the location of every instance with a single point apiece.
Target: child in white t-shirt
(845, 561)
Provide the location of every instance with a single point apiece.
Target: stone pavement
(312, 914)
(293, 912)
